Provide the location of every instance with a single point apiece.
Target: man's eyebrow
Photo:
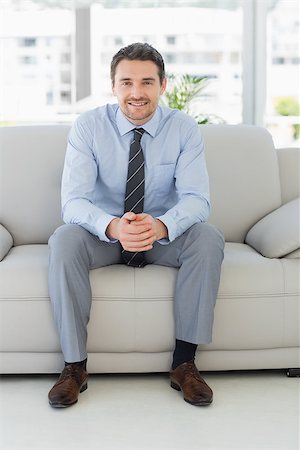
(144, 79)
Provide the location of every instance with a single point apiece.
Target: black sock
(184, 352)
(81, 363)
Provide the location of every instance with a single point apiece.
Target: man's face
(137, 88)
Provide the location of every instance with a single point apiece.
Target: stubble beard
(133, 117)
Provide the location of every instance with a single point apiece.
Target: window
(283, 75)
(26, 60)
(65, 58)
(171, 40)
(278, 60)
(249, 50)
(65, 96)
(49, 98)
(170, 58)
(118, 41)
(65, 77)
(199, 43)
(105, 58)
(206, 41)
(28, 42)
(234, 57)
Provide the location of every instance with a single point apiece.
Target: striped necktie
(134, 196)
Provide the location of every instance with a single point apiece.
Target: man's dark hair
(141, 52)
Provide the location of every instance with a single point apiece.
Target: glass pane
(282, 106)
(203, 39)
(56, 56)
(36, 76)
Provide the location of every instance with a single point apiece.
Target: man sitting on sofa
(135, 191)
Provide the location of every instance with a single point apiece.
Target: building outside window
(118, 41)
(28, 42)
(171, 40)
(28, 60)
(39, 77)
(65, 96)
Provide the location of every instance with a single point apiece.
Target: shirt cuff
(171, 225)
(101, 226)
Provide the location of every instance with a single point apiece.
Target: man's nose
(137, 92)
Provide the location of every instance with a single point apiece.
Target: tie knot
(138, 133)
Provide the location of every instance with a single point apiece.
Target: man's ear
(163, 86)
(113, 88)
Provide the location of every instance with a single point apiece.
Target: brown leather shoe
(66, 390)
(187, 379)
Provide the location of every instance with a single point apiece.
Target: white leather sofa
(255, 202)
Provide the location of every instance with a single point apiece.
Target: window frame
(254, 62)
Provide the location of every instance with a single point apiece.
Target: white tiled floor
(251, 410)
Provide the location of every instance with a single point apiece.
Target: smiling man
(135, 191)
(137, 92)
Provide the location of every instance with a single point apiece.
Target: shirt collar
(124, 126)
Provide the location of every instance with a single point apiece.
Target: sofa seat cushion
(24, 301)
(257, 305)
(132, 309)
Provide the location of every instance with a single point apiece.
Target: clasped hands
(136, 232)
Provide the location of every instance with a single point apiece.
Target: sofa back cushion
(244, 177)
(31, 163)
(242, 165)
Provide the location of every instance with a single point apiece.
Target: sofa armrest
(6, 242)
(278, 233)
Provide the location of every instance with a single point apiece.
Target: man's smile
(137, 104)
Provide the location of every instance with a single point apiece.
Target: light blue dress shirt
(96, 164)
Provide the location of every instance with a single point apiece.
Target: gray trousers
(198, 254)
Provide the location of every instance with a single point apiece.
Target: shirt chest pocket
(163, 178)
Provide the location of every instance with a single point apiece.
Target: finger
(135, 240)
(129, 216)
(144, 218)
(141, 216)
(147, 235)
(138, 233)
(147, 222)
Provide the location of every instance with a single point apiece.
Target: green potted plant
(289, 106)
(182, 92)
